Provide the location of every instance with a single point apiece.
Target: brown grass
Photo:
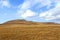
(29, 32)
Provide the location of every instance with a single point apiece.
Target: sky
(32, 10)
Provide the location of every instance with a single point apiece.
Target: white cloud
(23, 8)
(52, 14)
(4, 3)
(28, 13)
(47, 16)
(28, 4)
(44, 3)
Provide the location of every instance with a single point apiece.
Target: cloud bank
(51, 14)
(27, 6)
(44, 9)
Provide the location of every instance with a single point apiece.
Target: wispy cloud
(52, 14)
(39, 10)
(4, 3)
(29, 8)
(28, 4)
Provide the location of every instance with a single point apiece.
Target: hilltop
(22, 21)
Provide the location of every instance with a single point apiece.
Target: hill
(22, 21)
(28, 30)
(18, 21)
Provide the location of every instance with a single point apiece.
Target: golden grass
(30, 32)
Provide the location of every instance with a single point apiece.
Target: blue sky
(34, 10)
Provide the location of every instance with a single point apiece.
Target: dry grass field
(29, 31)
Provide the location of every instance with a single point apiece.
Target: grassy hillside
(27, 30)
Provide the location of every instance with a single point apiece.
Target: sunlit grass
(30, 32)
